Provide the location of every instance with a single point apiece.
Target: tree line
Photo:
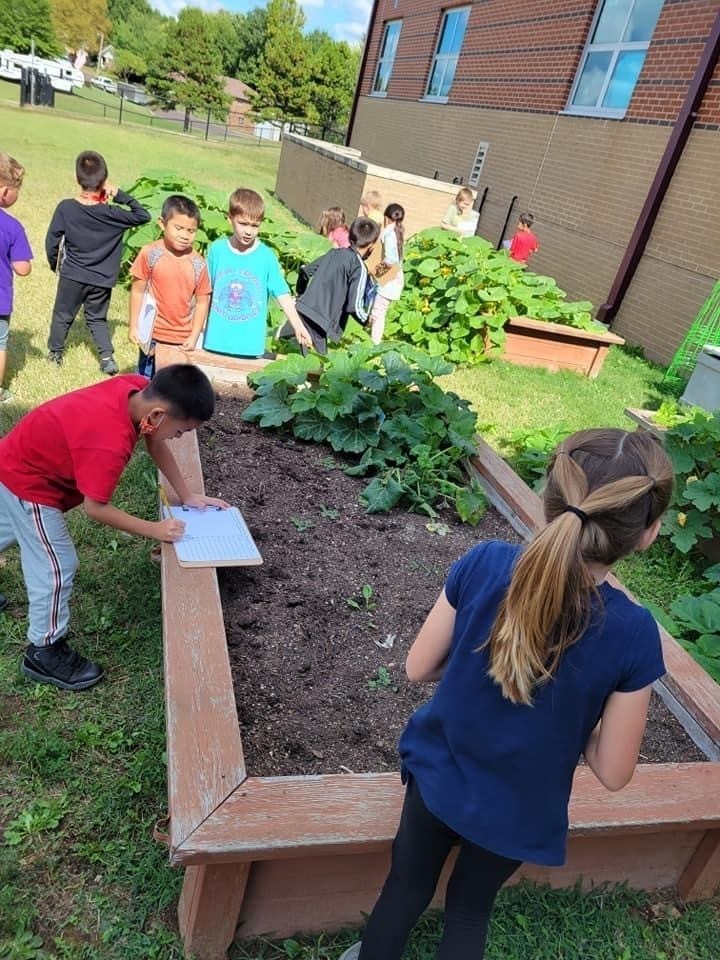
(294, 75)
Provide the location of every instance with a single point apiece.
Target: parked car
(104, 83)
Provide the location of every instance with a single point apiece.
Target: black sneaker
(61, 666)
(55, 357)
(108, 366)
(3, 601)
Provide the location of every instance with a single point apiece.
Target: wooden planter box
(554, 346)
(282, 855)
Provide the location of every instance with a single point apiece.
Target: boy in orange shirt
(177, 277)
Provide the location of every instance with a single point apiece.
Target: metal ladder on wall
(704, 331)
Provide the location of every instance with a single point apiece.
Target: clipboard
(213, 538)
(146, 319)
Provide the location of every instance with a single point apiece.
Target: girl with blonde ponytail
(540, 660)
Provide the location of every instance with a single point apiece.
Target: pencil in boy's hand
(164, 498)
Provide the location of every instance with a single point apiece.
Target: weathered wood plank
(205, 757)
(286, 897)
(507, 484)
(701, 877)
(273, 817)
(543, 326)
(209, 908)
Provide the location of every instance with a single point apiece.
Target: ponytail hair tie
(578, 513)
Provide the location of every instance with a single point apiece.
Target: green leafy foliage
(380, 407)
(35, 25)
(530, 451)
(693, 444)
(151, 190)
(695, 623)
(459, 293)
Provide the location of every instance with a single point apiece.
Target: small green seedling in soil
(382, 679)
(301, 524)
(328, 513)
(366, 603)
(438, 527)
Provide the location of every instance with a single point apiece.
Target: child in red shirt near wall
(524, 244)
(71, 451)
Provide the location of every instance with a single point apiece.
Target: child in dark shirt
(337, 286)
(83, 244)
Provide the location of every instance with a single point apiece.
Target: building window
(476, 171)
(388, 49)
(613, 57)
(447, 52)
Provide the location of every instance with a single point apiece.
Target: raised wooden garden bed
(308, 853)
(536, 343)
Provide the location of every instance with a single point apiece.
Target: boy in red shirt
(70, 451)
(524, 244)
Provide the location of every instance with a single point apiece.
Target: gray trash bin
(703, 389)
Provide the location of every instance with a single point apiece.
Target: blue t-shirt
(14, 247)
(241, 286)
(500, 773)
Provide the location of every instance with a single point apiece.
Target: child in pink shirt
(332, 225)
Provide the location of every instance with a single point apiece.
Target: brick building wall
(584, 178)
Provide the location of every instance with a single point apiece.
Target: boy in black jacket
(83, 244)
(336, 286)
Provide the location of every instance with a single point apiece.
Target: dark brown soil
(318, 667)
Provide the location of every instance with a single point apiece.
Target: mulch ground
(319, 633)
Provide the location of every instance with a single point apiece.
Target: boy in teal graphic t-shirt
(245, 273)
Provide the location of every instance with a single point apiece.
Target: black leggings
(419, 852)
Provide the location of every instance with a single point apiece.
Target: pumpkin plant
(694, 448)
(291, 247)
(460, 292)
(379, 406)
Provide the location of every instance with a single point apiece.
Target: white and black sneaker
(61, 666)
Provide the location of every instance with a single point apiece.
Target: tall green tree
(188, 70)
(334, 68)
(282, 84)
(252, 38)
(34, 22)
(80, 24)
(227, 29)
(138, 35)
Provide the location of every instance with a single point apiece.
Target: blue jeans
(48, 560)
(146, 361)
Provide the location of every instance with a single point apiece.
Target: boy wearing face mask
(72, 451)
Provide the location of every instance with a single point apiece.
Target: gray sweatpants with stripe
(48, 559)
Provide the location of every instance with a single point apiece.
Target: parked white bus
(63, 76)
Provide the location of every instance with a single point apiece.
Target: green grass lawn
(82, 777)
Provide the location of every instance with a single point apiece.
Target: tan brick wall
(585, 180)
(308, 182)
(312, 176)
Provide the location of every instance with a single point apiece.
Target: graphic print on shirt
(237, 295)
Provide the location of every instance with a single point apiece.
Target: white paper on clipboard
(146, 320)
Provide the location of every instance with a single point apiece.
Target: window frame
(615, 48)
(447, 12)
(382, 60)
